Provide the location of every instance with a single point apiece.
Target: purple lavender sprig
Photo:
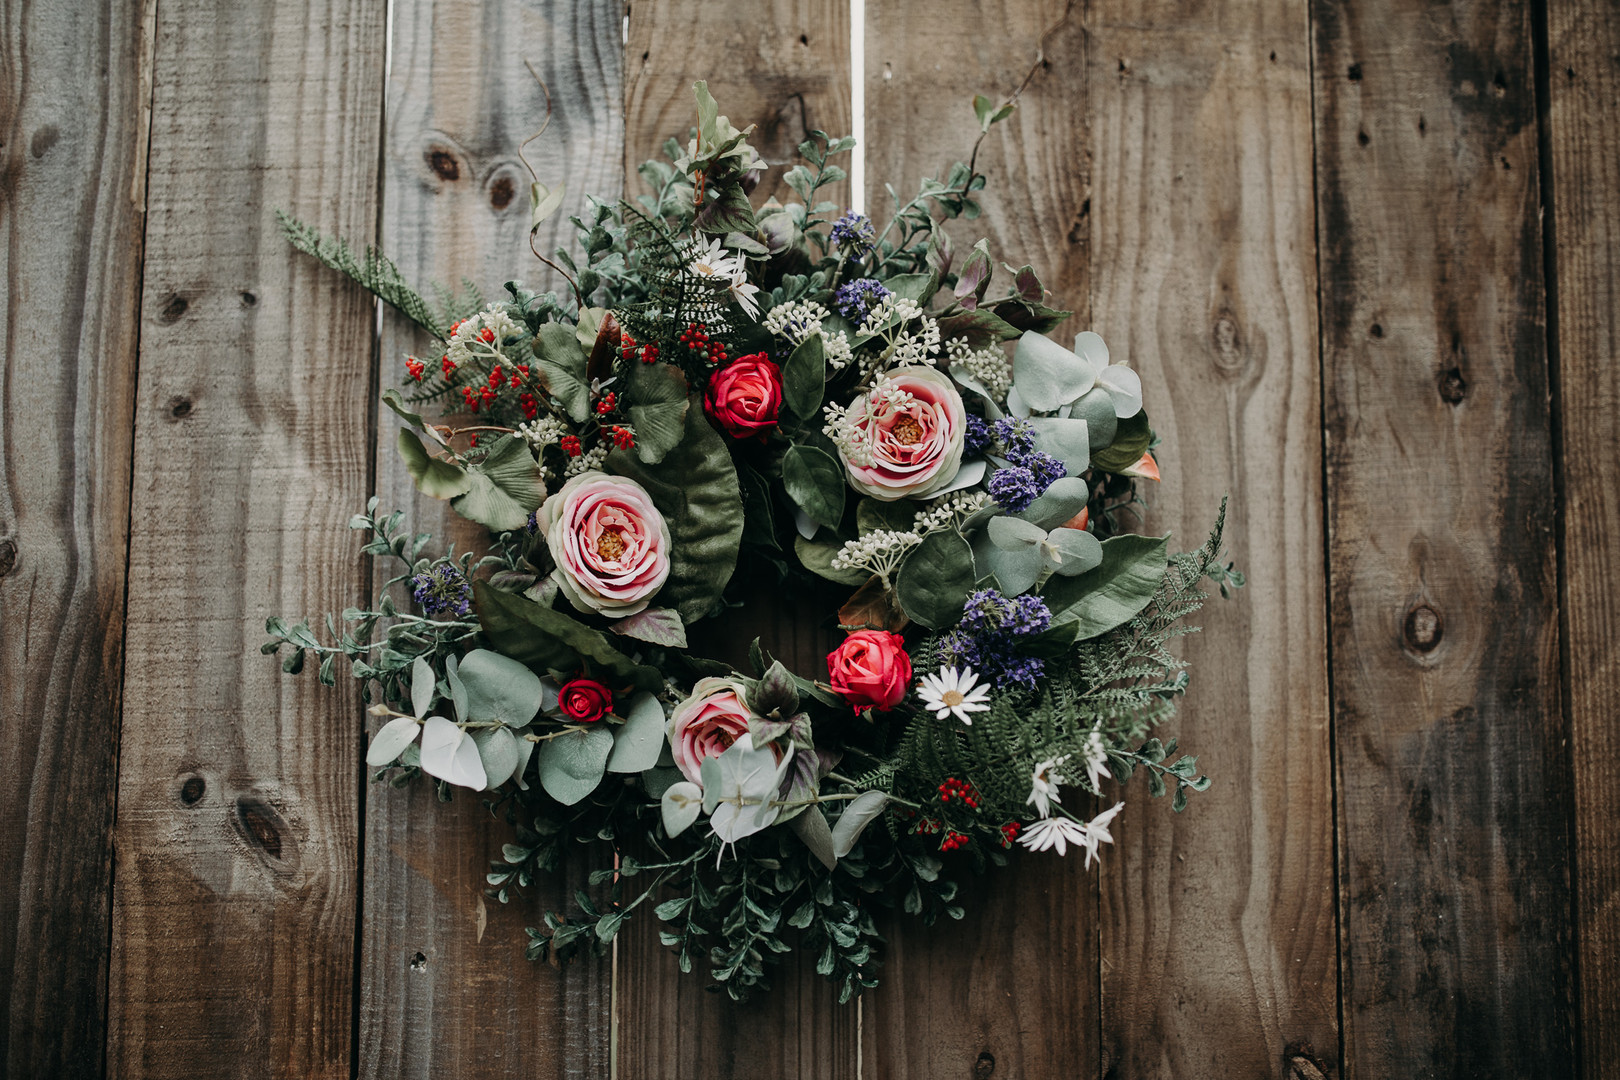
(990, 633)
(441, 590)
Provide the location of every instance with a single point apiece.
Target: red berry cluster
(1009, 833)
(487, 336)
(570, 445)
(628, 348)
(447, 365)
(477, 397)
(622, 438)
(607, 404)
(696, 338)
(531, 407)
(952, 841)
(927, 826)
(960, 790)
(415, 368)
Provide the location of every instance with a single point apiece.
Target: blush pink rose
(745, 396)
(609, 541)
(870, 669)
(910, 429)
(704, 725)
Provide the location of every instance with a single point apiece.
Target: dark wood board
(72, 176)
(445, 988)
(1012, 989)
(233, 939)
(1217, 925)
(1582, 189)
(1454, 786)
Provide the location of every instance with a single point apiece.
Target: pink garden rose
(871, 669)
(706, 723)
(907, 435)
(745, 396)
(610, 543)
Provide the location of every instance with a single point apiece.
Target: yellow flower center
(906, 431)
(953, 698)
(610, 545)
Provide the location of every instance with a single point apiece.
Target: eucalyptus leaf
(435, 477)
(391, 740)
(1060, 502)
(450, 754)
(421, 687)
(499, 688)
(1048, 375)
(638, 741)
(1068, 440)
(1112, 594)
(679, 806)
(1072, 551)
(815, 483)
(1014, 534)
(935, 579)
(497, 749)
(573, 763)
(811, 827)
(853, 821)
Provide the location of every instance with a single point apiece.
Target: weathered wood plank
(439, 994)
(72, 174)
(1218, 937)
(1583, 135)
(783, 65)
(1454, 785)
(234, 907)
(1013, 987)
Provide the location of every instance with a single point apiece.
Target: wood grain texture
(72, 170)
(439, 994)
(234, 905)
(783, 66)
(1218, 938)
(1454, 782)
(1583, 135)
(1011, 990)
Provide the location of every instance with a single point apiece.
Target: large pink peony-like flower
(610, 543)
(905, 436)
(706, 724)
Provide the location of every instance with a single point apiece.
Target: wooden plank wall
(1365, 257)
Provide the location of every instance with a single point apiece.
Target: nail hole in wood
(419, 962)
(1354, 74)
(179, 407)
(1423, 126)
(984, 1067)
(261, 824)
(191, 792)
(1423, 628)
(443, 163)
(1453, 387)
(8, 557)
(45, 138)
(1273, 58)
(1376, 330)
(1363, 138)
(173, 308)
(248, 299)
(804, 39)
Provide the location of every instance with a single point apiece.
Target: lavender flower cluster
(442, 590)
(988, 637)
(854, 233)
(857, 298)
(1029, 471)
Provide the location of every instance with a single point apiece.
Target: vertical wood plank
(784, 66)
(72, 158)
(1011, 990)
(1583, 136)
(234, 906)
(1218, 936)
(1454, 782)
(445, 987)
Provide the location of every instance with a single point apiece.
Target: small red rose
(585, 701)
(871, 668)
(745, 396)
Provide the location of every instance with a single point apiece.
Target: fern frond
(371, 271)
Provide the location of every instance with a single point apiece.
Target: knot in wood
(984, 1067)
(1423, 628)
(501, 192)
(261, 825)
(1227, 339)
(8, 557)
(1452, 386)
(443, 163)
(179, 407)
(173, 309)
(192, 790)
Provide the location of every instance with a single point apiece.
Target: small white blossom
(709, 261)
(1097, 831)
(468, 342)
(890, 308)
(989, 366)
(879, 551)
(1044, 781)
(1096, 758)
(1058, 832)
(590, 461)
(796, 321)
(542, 433)
(953, 692)
(950, 512)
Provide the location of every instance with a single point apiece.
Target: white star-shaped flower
(1054, 832)
(1097, 832)
(953, 692)
(709, 260)
(1043, 790)
(1096, 758)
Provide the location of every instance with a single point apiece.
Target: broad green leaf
(450, 754)
(1131, 441)
(1112, 594)
(815, 482)
(590, 325)
(573, 763)
(533, 634)
(499, 688)
(679, 805)
(1048, 375)
(506, 487)
(391, 741)
(874, 514)
(434, 477)
(983, 108)
(658, 404)
(974, 279)
(695, 487)
(804, 377)
(817, 556)
(854, 820)
(395, 401)
(543, 202)
(498, 750)
(935, 579)
(660, 626)
(560, 363)
(640, 739)
(813, 829)
(918, 287)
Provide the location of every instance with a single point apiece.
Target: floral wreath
(734, 395)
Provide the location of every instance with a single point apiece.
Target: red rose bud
(745, 396)
(871, 668)
(585, 701)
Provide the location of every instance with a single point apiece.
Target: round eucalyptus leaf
(498, 750)
(391, 741)
(572, 764)
(1072, 551)
(1059, 503)
(499, 688)
(1014, 534)
(1068, 440)
(421, 687)
(679, 806)
(1047, 375)
(637, 742)
(450, 754)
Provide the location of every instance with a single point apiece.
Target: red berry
(570, 445)
(487, 336)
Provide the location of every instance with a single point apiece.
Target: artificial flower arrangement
(737, 402)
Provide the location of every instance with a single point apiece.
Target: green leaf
(498, 750)
(658, 404)
(533, 634)
(393, 400)
(872, 515)
(640, 739)
(983, 108)
(560, 362)
(815, 482)
(854, 820)
(1131, 439)
(499, 688)
(811, 827)
(660, 626)
(695, 487)
(980, 327)
(572, 764)
(918, 287)
(804, 377)
(434, 477)
(817, 556)
(935, 579)
(1114, 592)
(506, 487)
(543, 202)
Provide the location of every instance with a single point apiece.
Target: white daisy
(1097, 832)
(1096, 758)
(953, 692)
(1043, 790)
(1054, 832)
(710, 260)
